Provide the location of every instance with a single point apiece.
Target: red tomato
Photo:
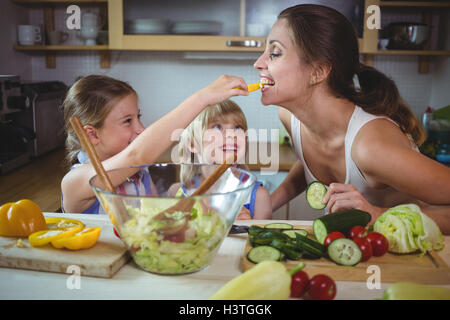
(357, 231)
(331, 237)
(365, 247)
(321, 287)
(379, 243)
(299, 284)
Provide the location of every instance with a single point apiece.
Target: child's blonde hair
(192, 136)
(91, 98)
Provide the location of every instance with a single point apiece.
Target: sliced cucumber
(284, 226)
(291, 233)
(263, 253)
(314, 195)
(344, 252)
(342, 221)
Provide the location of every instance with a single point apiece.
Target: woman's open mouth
(266, 83)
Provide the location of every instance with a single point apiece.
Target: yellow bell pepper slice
(83, 239)
(21, 218)
(43, 237)
(254, 86)
(59, 223)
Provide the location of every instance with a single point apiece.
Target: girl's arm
(150, 144)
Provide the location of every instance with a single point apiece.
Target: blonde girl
(215, 134)
(109, 112)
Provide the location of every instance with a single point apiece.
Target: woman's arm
(295, 182)
(292, 185)
(384, 156)
(263, 205)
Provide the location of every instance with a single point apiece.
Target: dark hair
(91, 98)
(325, 36)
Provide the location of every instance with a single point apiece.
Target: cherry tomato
(299, 284)
(357, 231)
(321, 287)
(365, 247)
(379, 243)
(331, 237)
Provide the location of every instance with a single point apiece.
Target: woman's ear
(92, 134)
(319, 74)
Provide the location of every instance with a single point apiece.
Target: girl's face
(280, 65)
(121, 126)
(223, 139)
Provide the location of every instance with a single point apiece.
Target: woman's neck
(323, 115)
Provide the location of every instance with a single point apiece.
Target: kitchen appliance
(44, 117)
(408, 35)
(15, 140)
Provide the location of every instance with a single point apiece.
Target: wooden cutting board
(427, 269)
(102, 260)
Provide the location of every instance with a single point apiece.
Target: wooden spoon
(185, 205)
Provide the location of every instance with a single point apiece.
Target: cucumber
(310, 247)
(263, 253)
(314, 194)
(284, 226)
(344, 252)
(342, 221)
(291, 233)
(288, 249)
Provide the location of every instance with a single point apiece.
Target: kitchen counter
(130, 282)
(286, 156)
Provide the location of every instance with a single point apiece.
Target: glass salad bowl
(166, 241)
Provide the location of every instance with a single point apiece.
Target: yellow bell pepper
(58, 223)
(83, 239)
(21, 218)
(43, 237)
(268, 280)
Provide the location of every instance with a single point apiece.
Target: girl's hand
(244, 214)
(346, 196)
(222, 89)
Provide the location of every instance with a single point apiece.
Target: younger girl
(109, 112)
(215, 135)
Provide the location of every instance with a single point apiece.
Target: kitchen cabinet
(222, 26)
(426, 11)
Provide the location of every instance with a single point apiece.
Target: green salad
(156, 253)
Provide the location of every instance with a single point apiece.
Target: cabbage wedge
(408, 230)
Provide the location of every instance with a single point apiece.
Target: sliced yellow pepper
(21, 218)
(43, 237)
(58, 223)
(83, 239)
(254, 86)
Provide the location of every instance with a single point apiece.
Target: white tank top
(387, 197)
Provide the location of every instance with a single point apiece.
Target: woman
(362, 143)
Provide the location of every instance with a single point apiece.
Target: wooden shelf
(57, 1)
(414, 4)
(59, 48)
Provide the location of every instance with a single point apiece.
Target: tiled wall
(164, 79)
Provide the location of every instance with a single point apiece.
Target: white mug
(28, 34)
